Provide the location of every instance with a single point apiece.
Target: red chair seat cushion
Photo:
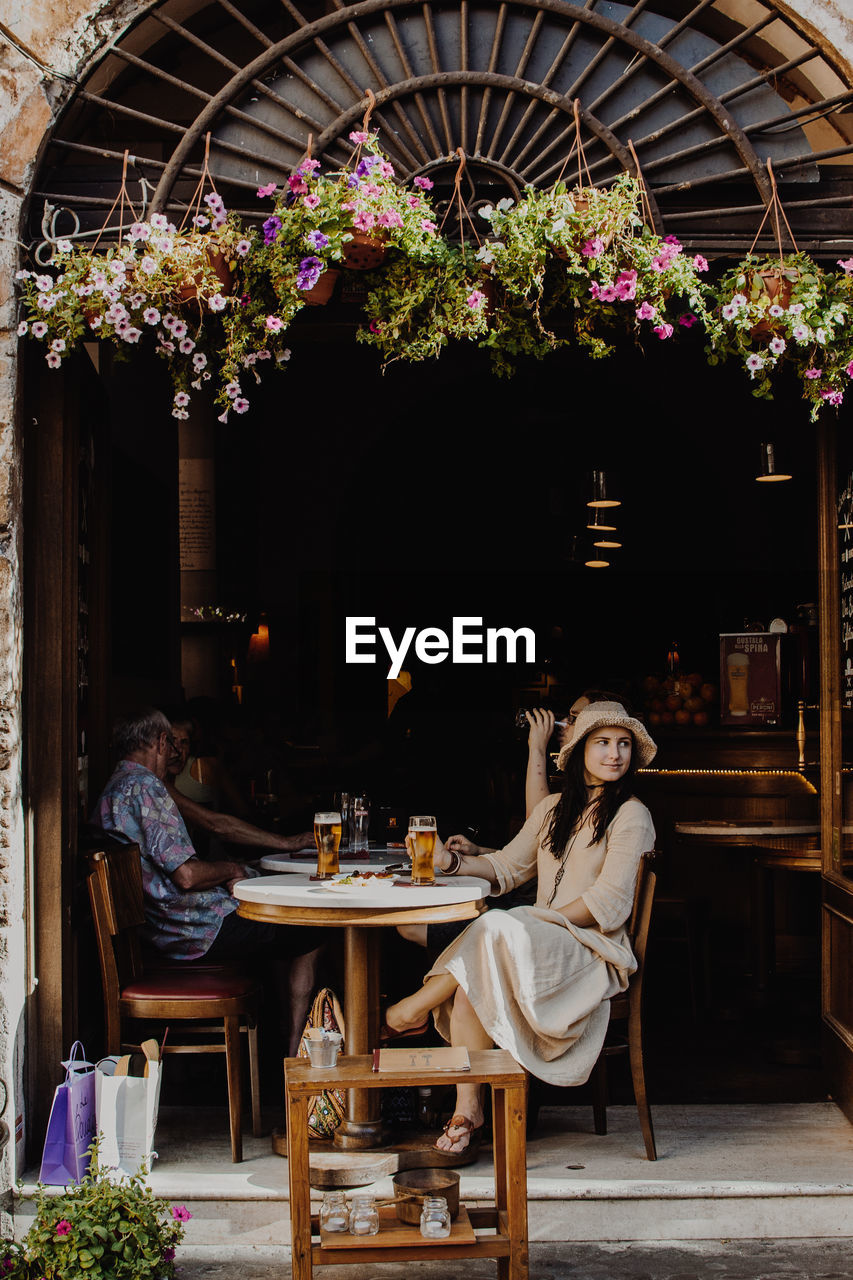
(172, 984)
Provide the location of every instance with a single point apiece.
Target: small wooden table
(507, 1220)
(361, 911)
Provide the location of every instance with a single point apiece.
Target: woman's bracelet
(454, 866)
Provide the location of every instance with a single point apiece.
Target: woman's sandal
(474, 1132)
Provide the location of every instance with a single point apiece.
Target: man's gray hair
(130, 733)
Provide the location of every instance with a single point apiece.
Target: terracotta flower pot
(323, 289)
(777, 286)
(188, 291)
(365, 251)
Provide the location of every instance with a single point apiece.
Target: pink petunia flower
(240, 406)
(832, 397)
(181, 399)
(179, 1211)
(359, 137)
(593, 248)
(814, 373)
(476, 299)
(663, 331)
(364, 220)
(645, 311)
(427, 225)
(274, 323)
(268, 190)
(311, 201)
(425, 184)
(700, 263)
(63, 1227)
(846, 264)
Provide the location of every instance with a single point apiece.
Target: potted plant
(591, 251)
(157, 281)
(104, 1228)
(414, 310)
(789, 312)
(350, 217)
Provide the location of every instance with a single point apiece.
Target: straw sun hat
(609, 715)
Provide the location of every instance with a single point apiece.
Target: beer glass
(341, 801)
(737, 668)
(421, 845)
(327, 837)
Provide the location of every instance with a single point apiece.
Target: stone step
(740, 1172)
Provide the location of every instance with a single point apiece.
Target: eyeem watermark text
(467, 642)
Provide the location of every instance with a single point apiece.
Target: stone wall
(45, 50)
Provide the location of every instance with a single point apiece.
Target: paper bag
(71, 1126)
(127, 1107)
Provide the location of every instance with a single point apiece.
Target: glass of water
(359, 819)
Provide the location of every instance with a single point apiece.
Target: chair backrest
(115, 892)
(641, 915)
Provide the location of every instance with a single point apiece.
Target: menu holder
(404, 1061)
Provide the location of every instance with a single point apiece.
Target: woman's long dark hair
(574, 798)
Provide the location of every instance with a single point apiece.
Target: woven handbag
(326, 1109)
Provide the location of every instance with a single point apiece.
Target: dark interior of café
(419, 494)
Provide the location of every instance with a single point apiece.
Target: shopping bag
(71, 1125)
(325, 1110)
(126, 1107)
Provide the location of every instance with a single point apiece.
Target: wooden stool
(507, 1220)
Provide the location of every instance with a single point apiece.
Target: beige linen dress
(537, 982)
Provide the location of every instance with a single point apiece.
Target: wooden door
(835, 467)
(67, 713)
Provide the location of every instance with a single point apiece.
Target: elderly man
(189, 908)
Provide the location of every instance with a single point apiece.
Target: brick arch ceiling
(703, 98)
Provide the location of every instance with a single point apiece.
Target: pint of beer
(737, 670)
(327, 837)
(421, 846)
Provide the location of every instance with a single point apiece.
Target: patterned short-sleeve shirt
(135, 802)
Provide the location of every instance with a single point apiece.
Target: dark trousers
(284, 958)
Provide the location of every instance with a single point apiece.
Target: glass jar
(334, 1215)
(435, 1218)
(363, 1216)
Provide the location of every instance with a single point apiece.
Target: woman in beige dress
(534, 980)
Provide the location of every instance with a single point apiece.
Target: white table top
(731, 829)
(299, 890)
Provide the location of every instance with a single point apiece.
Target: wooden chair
(628, 1007)
(190, 992)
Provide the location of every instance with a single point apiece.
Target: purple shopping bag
(71, 1127)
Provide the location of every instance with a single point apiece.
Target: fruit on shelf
(680, 700)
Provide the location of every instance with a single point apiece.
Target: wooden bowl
(417, 1184)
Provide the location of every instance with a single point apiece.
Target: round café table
(362, 910)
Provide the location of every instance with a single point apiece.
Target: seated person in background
(536, 980)
(189, 908)
(198, 804)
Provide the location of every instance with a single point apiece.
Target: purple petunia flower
(310, 270)
(272, 226)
